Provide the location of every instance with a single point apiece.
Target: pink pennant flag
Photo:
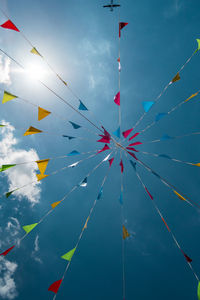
(7, 251)
(135, 144)
(132, 149)
(9, 25)
(117, 98)
(132, 137)
(122, 166)
(111, 161)
(132, 154)
(121, 25)
(54, 287)
(104, 149)
(149, 194)
(104, 140)
(127, 132)
(106, 133)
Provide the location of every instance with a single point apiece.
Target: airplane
(111, 5)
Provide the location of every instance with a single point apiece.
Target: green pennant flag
(28, 228)
(198, 42)
(5, 167)
(198, 291)
(68, 255)
(7, 97)
(2, 125)
(9, 193)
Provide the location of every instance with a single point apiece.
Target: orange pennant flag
(179, 195)
(192, 96)
(176, 78)
(42, 113)
(125, 232)
(42, 165)
(41, 176)
(32, 130)
(53, 205)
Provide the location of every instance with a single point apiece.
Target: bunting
(7, 97)
(111, 161)
(198, 288)
(198, 42)
(132, 137)
(84, 182)
(135, 144)
(35, 51)
(121, 25)
(82, 106)
(117, 132)
(42, 113)
(86, 223)
(68, 256)
(74, 125)
(54, 287)
(147, 105)
(125, 232)
(29, 228)
(117, 99)
(179, 195)
(7, 251)
(41, 176)
(9, 25)
(69, 137)
(6, 167)
(160, 116)
(42, 165)
(100, 193)
(192, 96)
(74, 152)
(9, 193)
(127, 132)
(133, 164)
(53, 205)
(176, 78)
(122, 166)
(32, 130)
(106, 147)
(166, 137)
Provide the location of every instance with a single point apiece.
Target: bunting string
(166, 137)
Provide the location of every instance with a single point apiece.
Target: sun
(36, 71)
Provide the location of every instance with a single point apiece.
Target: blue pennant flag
(117, 132)
(69, 137)
(165, 156)
(75, 126)
(147, 105)
(154, 173)
(74, 152)
(166, 137)
(84, 182)
(160, 116)
(133, 164)
(82, 106)
(100, 193)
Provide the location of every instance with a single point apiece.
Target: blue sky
(80, 40)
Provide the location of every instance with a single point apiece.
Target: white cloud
(174, 9)
(36, 249)
(5, 70)
(7, 284)
(97, 47)
(20, 175)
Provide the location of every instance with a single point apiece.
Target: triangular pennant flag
(117, 132)
(106, 147)
(68, 255)
(100, 193)
(7, 97)
(54, 287)
(82, 106)
(166, 137)
(132, 137)
(132, 149)
(176, 78)
(84, 182)
(74, 152)
(104, 140)
(122, 166)
(132, 154)
(74, 125)
(28, 228)
(121, 25)
(106, 133)
(5, 167)
(69, 137)
(121, 198)
(133, 164)
(198, 291)
(34, 51)
(127, 132)
(149, 193)
(7, 251)
(73, 165)
(179, 195)
(111, 161)
(135, 144)
(147, 105)
(42, 113)
(2, 125)
(125, 232)
(160, 116)
(117, 99)
(119, 67)
(85, 226)
(42, 165)
(154, 173)
(32, 130)
(9, 25)
(164, 156)
(198, 42)
(192, 96)
(9, 193)
(41, 176)
(53, 205)
(189, 260)
(107, 157)
(198, 164)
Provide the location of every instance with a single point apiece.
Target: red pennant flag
(7, 251)
(9, 25)
(127, 132)
(117, 98)
(132, 154)
(106, 133)
(149, 194)
(104, 140)
(121, 25)
(189, 260)
(54, 287)
(111, 161)
(122, 166)
(132, 149)
(132, 137)
(104, 149)
(135, 144)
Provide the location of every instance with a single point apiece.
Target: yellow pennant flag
(42, 165)
(180, 197)
(176, 78)
(34, 51)
(192, 96)
(85, 226)
(198, 164)
(125, 232)
(7, 97)
(42, 113)
(32, 130)
(41, 176)
(53, 205)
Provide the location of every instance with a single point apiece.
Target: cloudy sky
(80, 41)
